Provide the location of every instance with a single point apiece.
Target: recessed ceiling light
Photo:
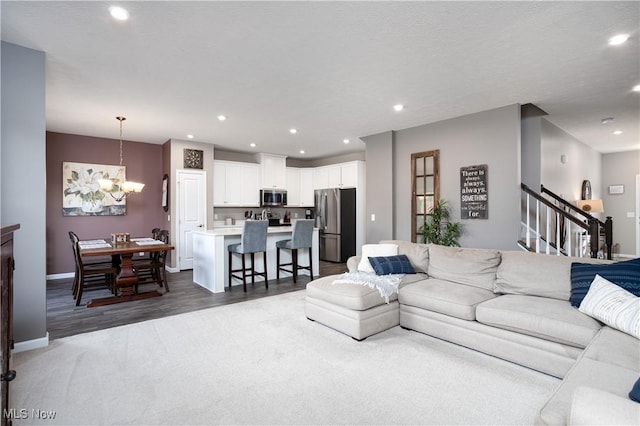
(293, 131)
(119, 13)
(252, 145)
(618, 39)
(618, 132)
(189, 136)
(302, 151)
(607, 120)
(222, 117)
(398, 107)
(636, 88)
(345, 141)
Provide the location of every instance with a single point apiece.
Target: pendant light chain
(121, 119)
(123, 189)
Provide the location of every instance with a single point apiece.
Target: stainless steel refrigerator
(335, 214)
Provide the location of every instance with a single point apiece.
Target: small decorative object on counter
(120, 238)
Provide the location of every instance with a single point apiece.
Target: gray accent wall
(489, 137)
(565, 179)
(621, 168)
(23, 184)
(531, 151)
(380, 194)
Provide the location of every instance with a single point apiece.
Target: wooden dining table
(122, 255)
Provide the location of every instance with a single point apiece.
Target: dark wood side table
(6, 329)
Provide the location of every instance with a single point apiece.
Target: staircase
(552, 225)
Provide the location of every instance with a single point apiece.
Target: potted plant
(438, 228)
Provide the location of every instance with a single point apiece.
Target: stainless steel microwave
(273, 197)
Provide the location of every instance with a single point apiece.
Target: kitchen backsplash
(222, 214)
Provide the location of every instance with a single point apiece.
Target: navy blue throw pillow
(385, 265)
(623, 274)
(635, 392)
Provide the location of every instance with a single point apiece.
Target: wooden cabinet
(235, 184)
(274, 171)
(6, 327)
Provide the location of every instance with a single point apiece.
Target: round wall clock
(193, 158)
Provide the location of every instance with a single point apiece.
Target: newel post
(608, 235)
(594, 230)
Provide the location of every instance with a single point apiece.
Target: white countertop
(237, 230)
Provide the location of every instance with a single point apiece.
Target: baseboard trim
(170, 269)
(42, 342)
(61, 276)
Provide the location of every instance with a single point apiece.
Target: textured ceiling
(333, 70)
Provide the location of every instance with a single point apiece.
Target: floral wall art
(82, 195)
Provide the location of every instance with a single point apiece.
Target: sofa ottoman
(355, 310)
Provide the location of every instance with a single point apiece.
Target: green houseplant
(438, 227)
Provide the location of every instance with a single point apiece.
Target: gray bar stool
(254, 240)
(302, 237)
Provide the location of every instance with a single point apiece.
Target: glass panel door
(425, 189)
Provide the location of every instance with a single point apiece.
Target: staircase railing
(574, 233)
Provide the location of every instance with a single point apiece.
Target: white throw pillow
(374, 250)
(612, 305)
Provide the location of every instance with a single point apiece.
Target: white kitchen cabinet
(343, 175)
(274, 171)
(349, 175)
(300, 187)
(293, 186)
(321, 177)
(334, 176)
(235, 184)
(250, 185)
(306, 188)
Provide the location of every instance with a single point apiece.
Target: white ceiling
(333, 70)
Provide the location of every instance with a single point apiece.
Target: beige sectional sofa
(510, 304)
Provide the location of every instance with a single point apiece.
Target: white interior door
(192, 212)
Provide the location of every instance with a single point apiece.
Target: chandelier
(114, 187)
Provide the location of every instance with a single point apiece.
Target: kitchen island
(210, 256)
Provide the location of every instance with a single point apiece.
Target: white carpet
(263, 362)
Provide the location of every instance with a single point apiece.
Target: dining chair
(153, 269)
(148, 256)
(99, 262)
(301, 238)
(92, 275)
(253, 240)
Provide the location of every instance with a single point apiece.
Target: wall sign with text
(474, 192)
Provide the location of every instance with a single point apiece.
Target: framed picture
(616, 189)
(81, 193)
(193, 158)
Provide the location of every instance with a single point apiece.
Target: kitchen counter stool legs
(253, 240)
(301, 237)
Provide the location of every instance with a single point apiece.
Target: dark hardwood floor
(66, 319)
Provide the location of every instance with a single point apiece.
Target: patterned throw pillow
(385, 265)
(612, 305)
(624, 274)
